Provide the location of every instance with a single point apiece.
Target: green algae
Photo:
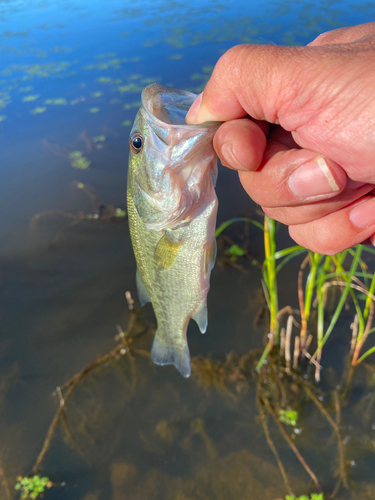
(58, 101)
(77, 100)
(135, 104)
(131, 88)
(77, 160)
(38, 110)
(30, 98)
(25, 89)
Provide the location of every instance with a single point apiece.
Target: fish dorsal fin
(201, 318)
(143, 295)
(166, 252)
(210, 257)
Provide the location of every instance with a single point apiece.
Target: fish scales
(172, 209)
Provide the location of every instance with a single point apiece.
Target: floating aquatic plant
(126, 123)
(32, 487)
(97, 94)
(38, 110)
(289, 417)
(104, 79)
(59, 101)
(77, 160)
(2, 118)
(94, 110)
(313, 496)
(131, 105)
(77, 100)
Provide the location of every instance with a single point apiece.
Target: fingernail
(313, 178)
(230, 159)
(194, 108)
(363, 215)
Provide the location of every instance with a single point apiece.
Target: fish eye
(136, 142)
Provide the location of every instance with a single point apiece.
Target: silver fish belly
(172, 208)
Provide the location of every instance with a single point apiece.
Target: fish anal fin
(171, 354)
(166, 252)
(143, 295)
(201, 318)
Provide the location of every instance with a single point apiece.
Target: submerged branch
(263, 419)
(292, 445)
(335, 426)
(71, 384)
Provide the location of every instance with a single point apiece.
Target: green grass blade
(227, 223)
(263, 357)
(367, 353)
(289, 257)
(344, 295)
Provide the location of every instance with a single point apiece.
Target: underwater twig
(289, 326)
(263, 419)
(335, 427)
(354, 329)
(292, 445)
(72, 383)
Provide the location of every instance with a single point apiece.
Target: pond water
(71, 73)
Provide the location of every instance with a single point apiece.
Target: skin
(299, 127)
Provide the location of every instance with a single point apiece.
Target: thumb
(259, 80)
(323, 95)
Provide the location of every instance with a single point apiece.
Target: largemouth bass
(172, 209)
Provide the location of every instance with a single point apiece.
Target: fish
(172, 209)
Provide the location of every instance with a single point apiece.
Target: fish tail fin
(164, 353)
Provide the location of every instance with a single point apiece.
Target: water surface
(70, 81)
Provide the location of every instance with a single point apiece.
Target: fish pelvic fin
(164, 353)
(143, 295)
(201, 318)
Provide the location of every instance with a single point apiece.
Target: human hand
(299, 126)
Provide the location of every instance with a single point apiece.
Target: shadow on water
(70, 78)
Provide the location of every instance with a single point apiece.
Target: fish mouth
(168, 106)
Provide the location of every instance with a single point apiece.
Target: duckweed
(60, 101)
(38, 110)
(30, 98)
(77, 160)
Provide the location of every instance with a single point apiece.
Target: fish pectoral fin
(166, 252)
(171, 354)
(201, 318)
(143, 295)
(210, 257)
